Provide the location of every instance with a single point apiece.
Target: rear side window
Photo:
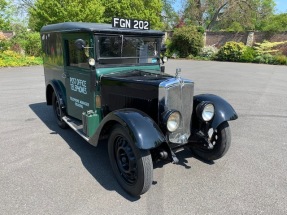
(52, 49)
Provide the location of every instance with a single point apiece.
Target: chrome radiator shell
(177, 94)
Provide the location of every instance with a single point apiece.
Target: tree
(169, 16)
(45, 12)
(275, 23)
(136, 9)
(5, 15)
(220, 14)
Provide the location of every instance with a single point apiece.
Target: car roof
(95, 28)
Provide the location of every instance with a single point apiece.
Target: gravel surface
(47, 170)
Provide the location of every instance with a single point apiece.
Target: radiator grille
(177, 94)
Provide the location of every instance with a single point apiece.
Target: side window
(53, 52)
(77, 57)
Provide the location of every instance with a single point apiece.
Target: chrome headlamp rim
(205, 111)
(172, 120)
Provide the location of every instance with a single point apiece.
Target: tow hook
(163, 155)
(166, 153)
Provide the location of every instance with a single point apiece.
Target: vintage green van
(106, 81)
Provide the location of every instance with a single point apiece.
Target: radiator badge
(177, 75)
(177, 72)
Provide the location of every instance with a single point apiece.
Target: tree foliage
(137, 9)
(45, 12)
(275, 23)
(169, 16)
(5, 15)
(221, 14)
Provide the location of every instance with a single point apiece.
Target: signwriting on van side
(78, 85)
(79, 103)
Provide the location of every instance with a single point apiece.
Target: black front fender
(223, 110)
(144, 131)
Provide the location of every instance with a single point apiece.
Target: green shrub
(259, 59)
(231, 51)
(33, 44)
(264, 58)
(267, 47)
(248, 55)
(168, 45)
(170, 51)
(30, 42)
(13, 59)
(208, 51)
(4, 42)
(190, 56)
(269, 59)
(186, 41)
(280, 59)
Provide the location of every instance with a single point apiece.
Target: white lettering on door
(78, 85)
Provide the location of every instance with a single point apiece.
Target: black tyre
(132, 167)
(58, 112)
(221, 140)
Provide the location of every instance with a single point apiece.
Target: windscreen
(128, 50)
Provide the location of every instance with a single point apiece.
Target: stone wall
(218, 39)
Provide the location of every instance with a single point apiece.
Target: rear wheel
(58, 112)
(220, 140)
(132, 167)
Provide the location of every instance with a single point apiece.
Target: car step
(76, 126)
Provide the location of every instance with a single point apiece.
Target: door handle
(65, 75)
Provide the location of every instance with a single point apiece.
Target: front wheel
(132, 167)
(220, 140)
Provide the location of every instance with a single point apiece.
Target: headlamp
(205, 111)
(172, 120)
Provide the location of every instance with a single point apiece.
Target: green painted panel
(80, 93)
(91, 121)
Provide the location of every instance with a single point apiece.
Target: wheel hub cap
(125, 159)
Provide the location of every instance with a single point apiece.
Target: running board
(76, 126)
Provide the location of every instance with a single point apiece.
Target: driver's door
(78, 76)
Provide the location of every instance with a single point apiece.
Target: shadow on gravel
(94, 159)
(182, 156)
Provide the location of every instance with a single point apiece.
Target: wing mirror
(80, 44)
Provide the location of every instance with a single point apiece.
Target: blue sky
(281, 6)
